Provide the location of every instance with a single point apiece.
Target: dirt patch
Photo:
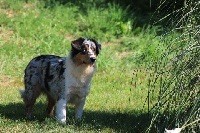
(29, 6)
(5, 35)
(8, 12)
(70, 37)
(124, 54)
(7, 81)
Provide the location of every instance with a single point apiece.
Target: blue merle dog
(63, 79)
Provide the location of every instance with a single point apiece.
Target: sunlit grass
(119, 88)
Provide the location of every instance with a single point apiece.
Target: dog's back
(42, 69)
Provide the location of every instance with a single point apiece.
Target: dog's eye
(92, 48)
(84, 51)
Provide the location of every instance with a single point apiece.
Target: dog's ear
(76, 44)
(98, 46)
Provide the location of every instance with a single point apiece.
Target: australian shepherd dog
(63, 79)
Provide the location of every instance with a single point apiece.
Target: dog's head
(85, 51)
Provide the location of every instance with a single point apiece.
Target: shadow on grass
(120, 122)
(95, 120)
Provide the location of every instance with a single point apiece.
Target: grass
(119, 90)
(177, 74)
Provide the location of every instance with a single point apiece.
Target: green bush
(178, 78)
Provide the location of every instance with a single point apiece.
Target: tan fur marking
(80, 59)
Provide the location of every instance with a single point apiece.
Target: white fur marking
(61, 110)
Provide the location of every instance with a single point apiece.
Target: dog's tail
(22, 92)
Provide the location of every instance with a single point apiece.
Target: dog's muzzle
(92, 59)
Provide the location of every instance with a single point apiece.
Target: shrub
(177, 74)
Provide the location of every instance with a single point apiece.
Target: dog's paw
(61, 121)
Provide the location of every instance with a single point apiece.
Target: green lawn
(119, 89)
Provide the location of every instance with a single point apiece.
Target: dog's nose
(92, 60)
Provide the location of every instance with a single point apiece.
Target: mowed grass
(119, 89)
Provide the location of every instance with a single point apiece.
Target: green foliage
(177, 74)
(30, 28)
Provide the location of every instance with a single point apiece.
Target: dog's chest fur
(77, 79)
(75, 84)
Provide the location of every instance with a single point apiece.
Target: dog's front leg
(79, 108)
(61, 110)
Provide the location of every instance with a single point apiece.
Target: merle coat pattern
(63, 79)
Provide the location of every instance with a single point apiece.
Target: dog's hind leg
(29, 96)
(50, 106)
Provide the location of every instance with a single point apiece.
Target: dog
(63, 79)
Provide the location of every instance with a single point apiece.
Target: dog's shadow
(119, 122)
